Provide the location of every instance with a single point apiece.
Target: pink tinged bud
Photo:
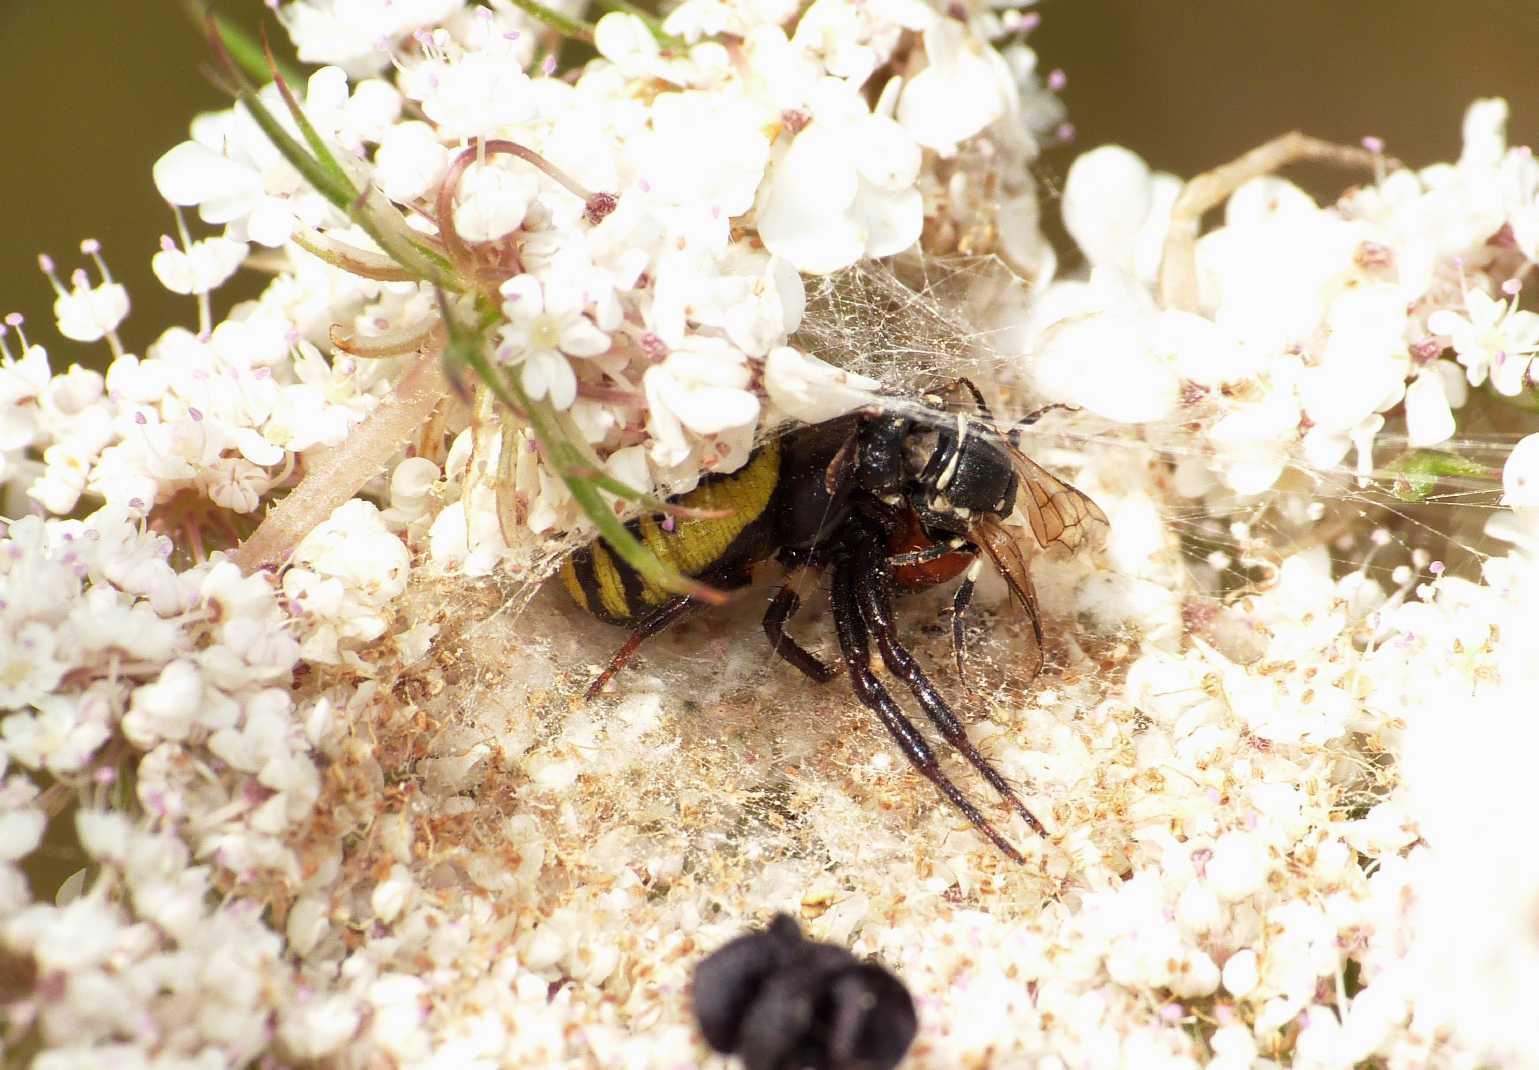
(1056, 80)
(1373, 144)
(1512, 287)
(600, 205)
(1372, 254)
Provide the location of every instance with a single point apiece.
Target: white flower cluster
(114, 661)
(1286, 830)
(1397, 935)
(1312, 324)
(201, 424)
(660, 324)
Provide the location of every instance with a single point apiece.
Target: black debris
(782, 1002)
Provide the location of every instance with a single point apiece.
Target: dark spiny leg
(857, 657)
(959, 604)
(1036, 414)
(781, 609)
(875, 607)
(646, 627)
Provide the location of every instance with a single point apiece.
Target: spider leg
(854, 646)
(1178, 266)
(781, 609)
(648, 626)
(875, 608)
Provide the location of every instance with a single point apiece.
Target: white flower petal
(1520, 475)
(710, 410)
(257, 449)
(891, 221)
(812, 390)
(888, 157)
(580, 338)
(625, 41)
(191, 173)
(409, 161)
(523, 299)
(1428, 419)
(958, 94)
(1485, 133)
(551, 373)
(1106, 198)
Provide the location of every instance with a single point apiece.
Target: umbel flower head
(332, 801)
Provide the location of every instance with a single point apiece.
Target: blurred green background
(94, 96)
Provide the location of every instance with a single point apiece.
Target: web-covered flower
(844, 188)
(1491, 338)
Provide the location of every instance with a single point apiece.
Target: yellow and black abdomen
(699, 547)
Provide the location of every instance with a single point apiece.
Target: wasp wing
(1004, 549)
(1056, 511)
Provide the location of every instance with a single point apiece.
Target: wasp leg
(781, 609)
(1013, 436)
(854, 646)
(983, 406)
(934, 552)
(959, 604)
(646, 627)
(875, 607)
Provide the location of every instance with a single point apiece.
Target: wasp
(886, 500)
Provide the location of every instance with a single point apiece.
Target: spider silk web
(915, 322)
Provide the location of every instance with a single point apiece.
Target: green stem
(568, 462)
(243, 48)
(318, 147)
(566, 25)
(334, 187)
